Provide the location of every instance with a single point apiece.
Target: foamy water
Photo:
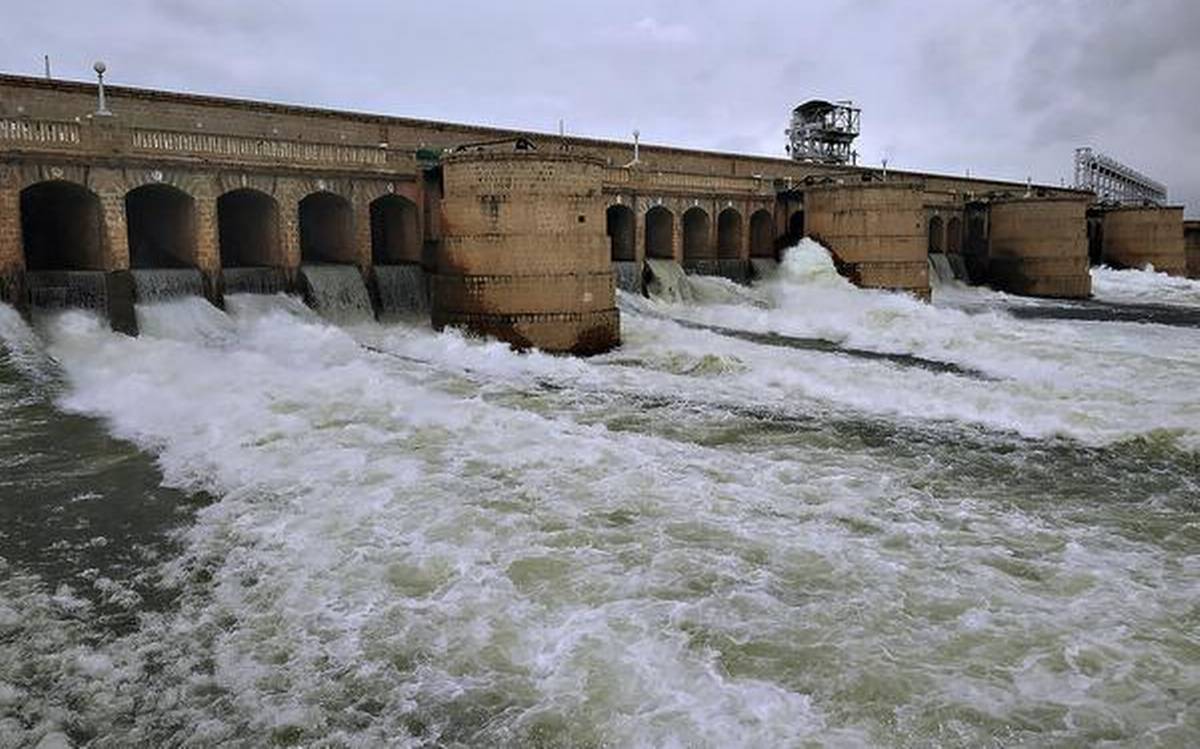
(695, 540)
(1145, 286)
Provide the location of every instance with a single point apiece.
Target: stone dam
(520, 235)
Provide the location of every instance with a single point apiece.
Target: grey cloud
(1004, 88)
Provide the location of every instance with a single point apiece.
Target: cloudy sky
(1004, 88)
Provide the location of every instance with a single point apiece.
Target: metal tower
(822, 132)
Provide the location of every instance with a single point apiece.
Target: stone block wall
(1134, 236)
(1038, 247)
(525, 255)
(876, 232)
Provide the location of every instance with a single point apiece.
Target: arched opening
(326, 229)
(161, 223)
(697, 242)
(660, 233)
(248, 227)
(729, 234)
(62, 227)
(762, 234)
(795, 227)
(619, 226)
(936, 232)
(954, 235)
(395, 231)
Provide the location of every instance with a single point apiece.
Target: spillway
(260, 526)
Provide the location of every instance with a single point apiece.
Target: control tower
(823, 132)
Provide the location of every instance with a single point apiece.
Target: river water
(796, 514)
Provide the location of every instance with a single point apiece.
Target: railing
(42, 132)
(654, 180)
(242, 147)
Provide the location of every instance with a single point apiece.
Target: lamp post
(100, 67)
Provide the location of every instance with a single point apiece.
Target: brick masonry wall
(1133, 237)
(526, 257)
(1038, 247)
(876, 232)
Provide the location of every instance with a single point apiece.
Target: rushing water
(366, 535)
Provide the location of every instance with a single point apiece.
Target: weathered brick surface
(548, 209)
(1038, 246)
(11, 256)
(1135, 236)
(876, 232)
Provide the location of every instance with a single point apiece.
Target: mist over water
(367, 534)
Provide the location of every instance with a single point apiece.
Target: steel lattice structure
(822, 132)
(1113, 182)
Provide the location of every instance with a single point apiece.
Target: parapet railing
(645, 179)
(27, 134)
(244, 147)
(40, 132)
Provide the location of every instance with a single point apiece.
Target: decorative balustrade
(39, 132)
(669, 181)
(240, 147)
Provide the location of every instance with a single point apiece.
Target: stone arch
(936, 234)
(326, 229)
(762, 234)
(62, 227)
(954, 235)
(161, 224)
(395, 230)
(795, 230)
(729, 234)
(248, 229)
(660, 233)
(619, 225)
(697, 236)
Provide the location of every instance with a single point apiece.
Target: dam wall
(1038, 246)
(264, 197)
(1132, 237)
(875, 231)
(524, 256)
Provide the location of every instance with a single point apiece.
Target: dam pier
(520, 235)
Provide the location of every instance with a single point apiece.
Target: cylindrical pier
(1135, 236)
(1038, 246)
(876, 231)
(524, 256)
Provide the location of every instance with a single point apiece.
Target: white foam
(1145, 286)
(1098, 382)
(431, 530)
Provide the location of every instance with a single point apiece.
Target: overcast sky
(1004, 88)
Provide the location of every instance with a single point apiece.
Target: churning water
(260, 528)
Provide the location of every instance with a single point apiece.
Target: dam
(830, 489)
(520, 235)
